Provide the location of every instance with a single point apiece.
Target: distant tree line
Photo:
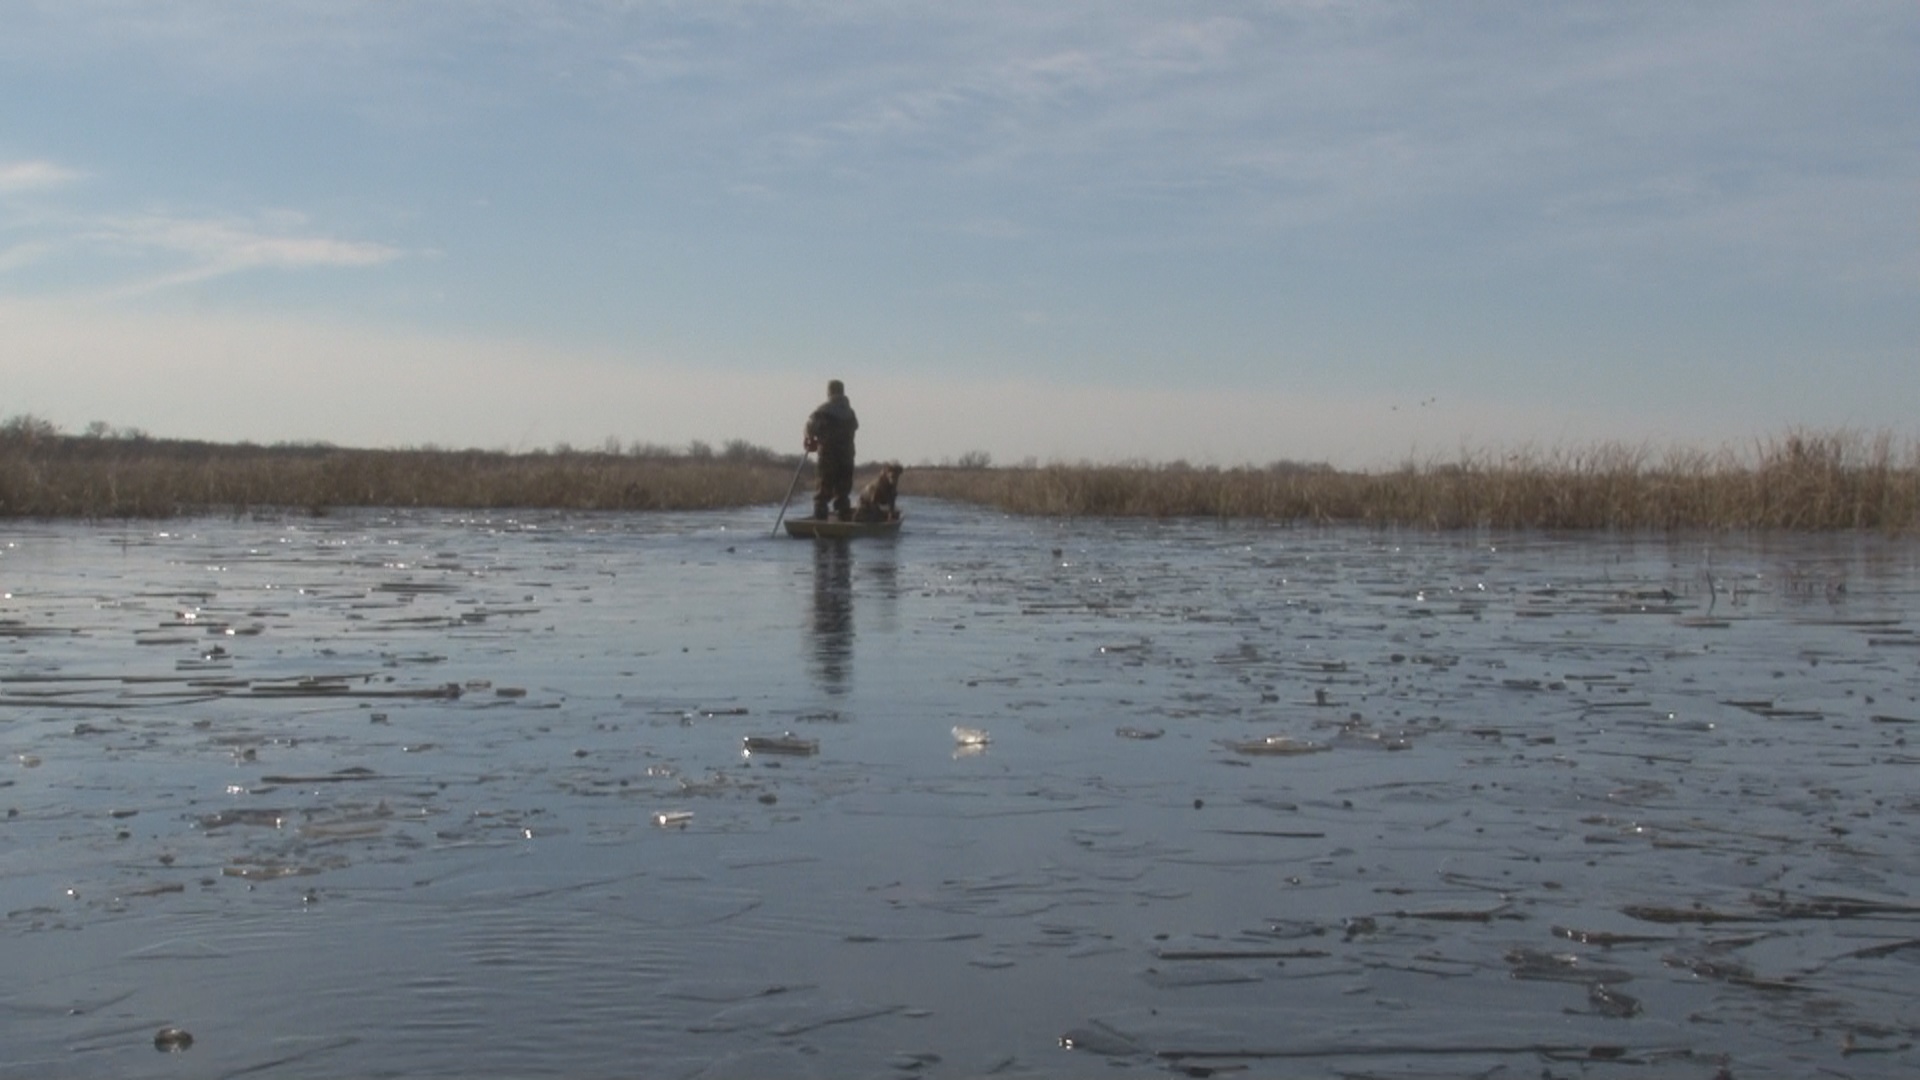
(30, 430)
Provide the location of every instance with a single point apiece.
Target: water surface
(380, 795)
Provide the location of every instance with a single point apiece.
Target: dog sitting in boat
(877, 498)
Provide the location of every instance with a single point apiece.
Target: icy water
(430, 795)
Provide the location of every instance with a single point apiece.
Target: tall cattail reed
(1809, 481)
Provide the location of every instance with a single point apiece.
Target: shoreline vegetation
(1803, 480)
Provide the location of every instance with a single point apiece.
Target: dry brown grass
(48, 475)
(1803, 480)
(1811, 481)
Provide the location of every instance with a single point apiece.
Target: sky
(1354, 231)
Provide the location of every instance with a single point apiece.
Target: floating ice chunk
(1275, 745)
(787, 743)
(971, 736)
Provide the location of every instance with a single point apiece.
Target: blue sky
(1324, 230)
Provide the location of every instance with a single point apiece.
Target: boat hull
(815, 529)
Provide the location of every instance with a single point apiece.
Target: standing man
(830, 431)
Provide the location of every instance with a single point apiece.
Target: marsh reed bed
(55, 476)
(1800, 481)
(1803, 481)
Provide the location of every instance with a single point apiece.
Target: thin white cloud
(187, 247)
(234, 244)
(21, 255)
(18, 176)
(194, 249)
(1192, 46)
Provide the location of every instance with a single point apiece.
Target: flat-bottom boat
(830, 529)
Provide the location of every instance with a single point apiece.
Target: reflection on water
(842, 569)
(831, 632)
(377, 795)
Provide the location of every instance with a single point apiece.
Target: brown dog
(877, 498)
